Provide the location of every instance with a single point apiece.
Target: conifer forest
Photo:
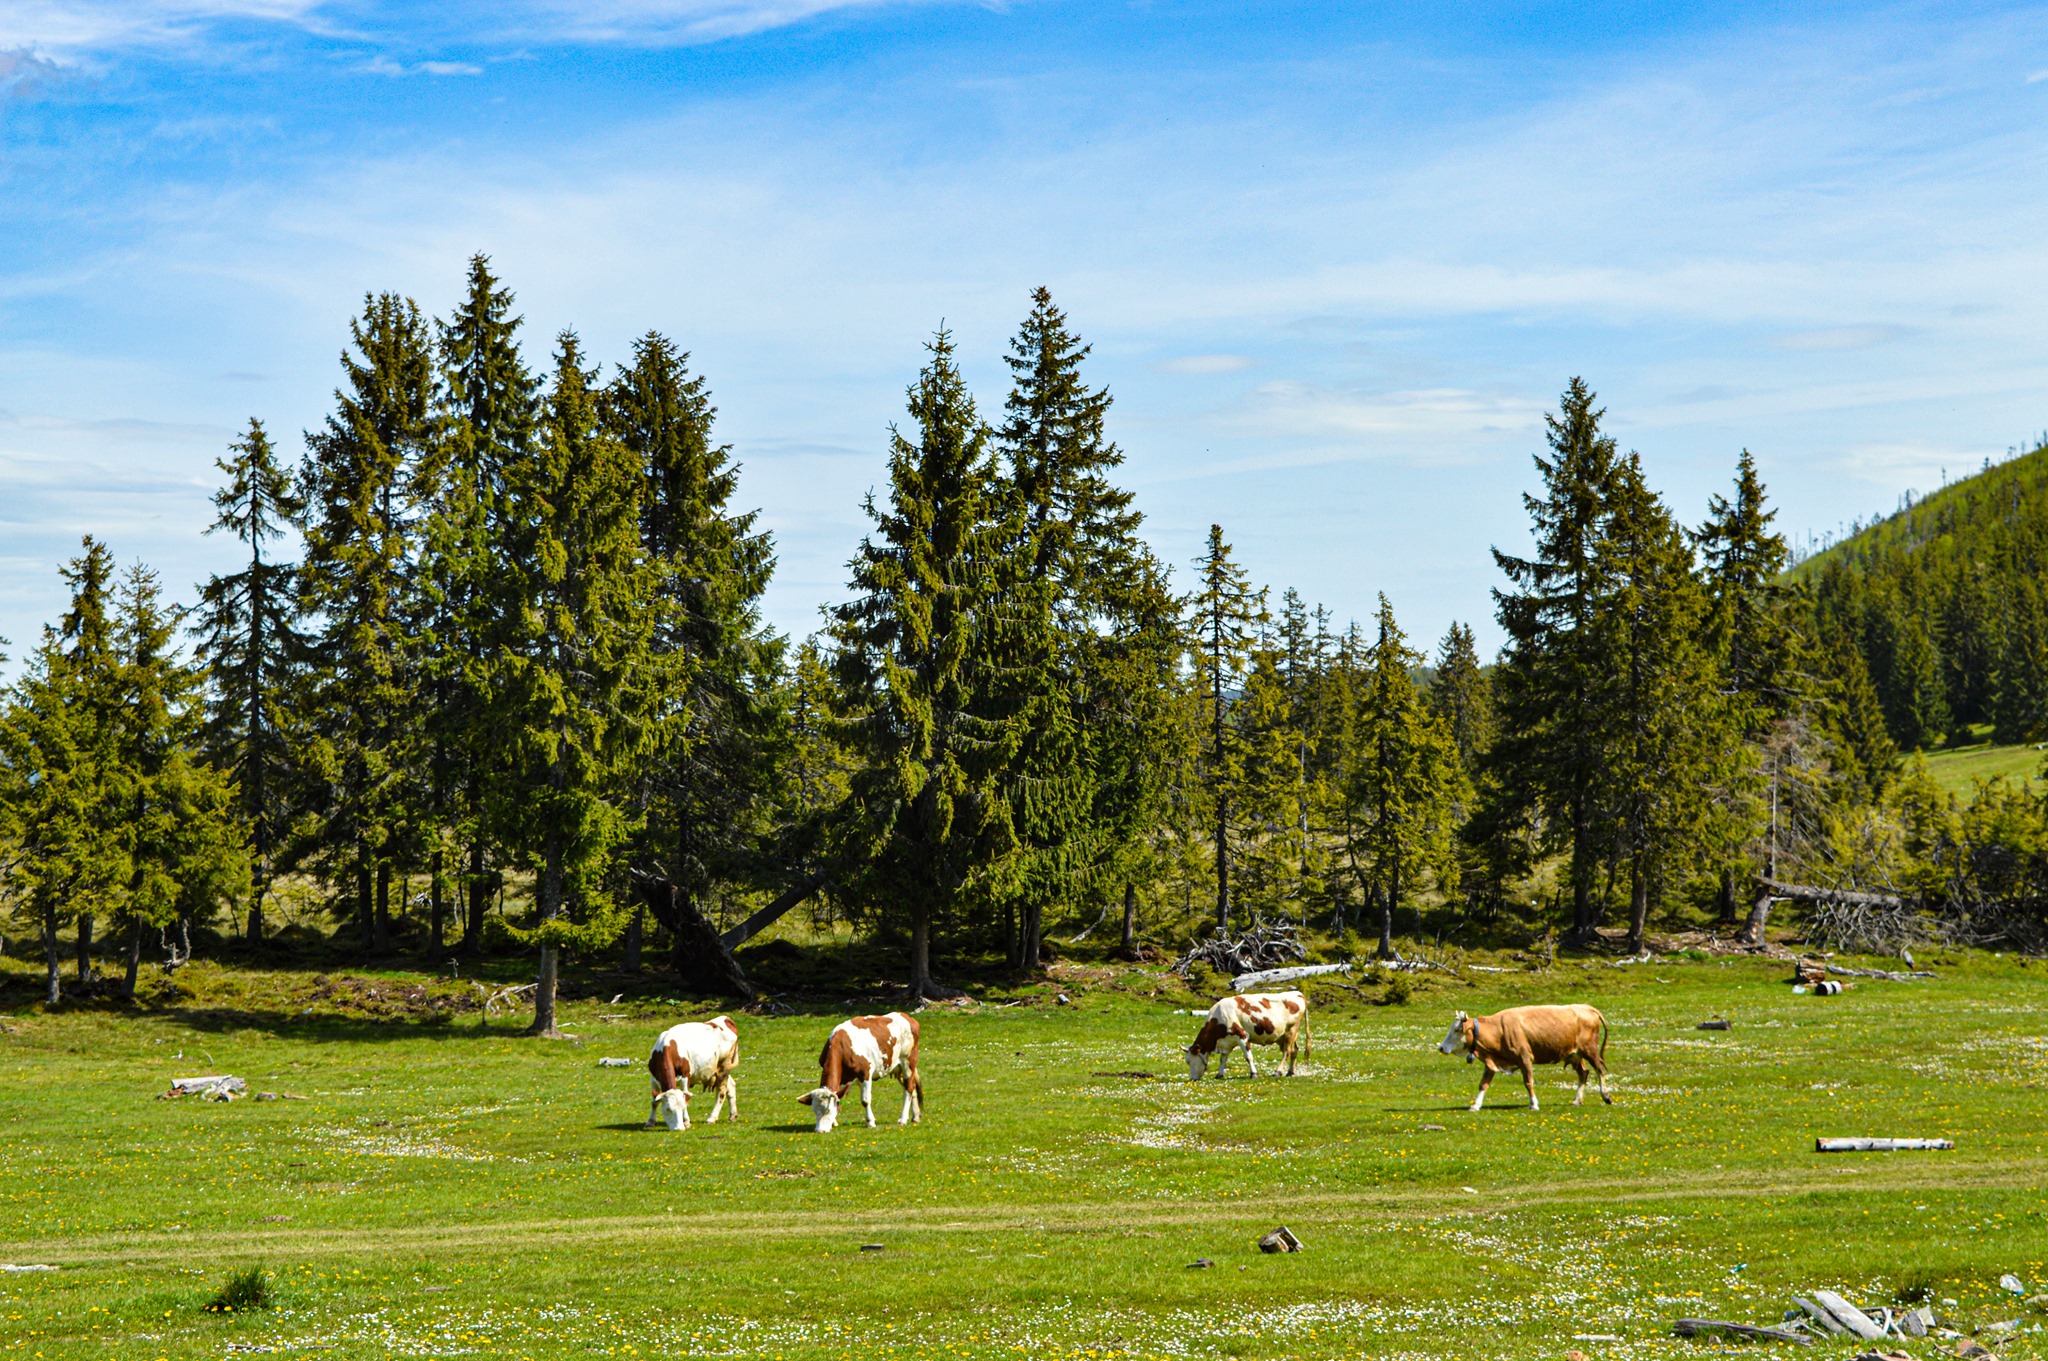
(492, 678)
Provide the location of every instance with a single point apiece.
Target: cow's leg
(732, 1093)
(1529, 1081)
(718, 1104)
(867, 1100)
(1485, 1081)
(1579, 1064)
(1287, 1051)
(916, 1098)
(1601, 1068)
(684, 1088)
(654, 1111)
(1247, 1043)
(1222, 1053)
(909, 1101)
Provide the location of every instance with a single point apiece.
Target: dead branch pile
(1263, 946)
(1883, 927)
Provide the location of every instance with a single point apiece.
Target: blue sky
(1336, 261)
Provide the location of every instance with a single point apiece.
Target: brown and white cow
(694, 1054)
(1255, 1018)
(1522, 1037)
(861, 1050)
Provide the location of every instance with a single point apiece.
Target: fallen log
(1895, 975)
(1880, 1145)
(767, 916)
(1264, 976)
(1693, 1327)
(1830, 897)
(703, 960)
(1849, 1316)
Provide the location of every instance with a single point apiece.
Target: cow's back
(710, 1049)
(1551, 1034)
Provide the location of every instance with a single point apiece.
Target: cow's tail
(1305, 1041)
(1603, 1038)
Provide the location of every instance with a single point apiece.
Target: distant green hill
(1945, 601)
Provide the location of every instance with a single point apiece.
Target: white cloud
(70, 26)
(685, 21)
(385, 66)
(1203, 365)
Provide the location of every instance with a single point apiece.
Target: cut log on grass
(1881, 1145)
(1696, 1327)
(1281, 1239)
(1819, 1315)
(1712, 1025)
(1851, 1318)
(1246, 981)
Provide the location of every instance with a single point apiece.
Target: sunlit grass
(452, 1189)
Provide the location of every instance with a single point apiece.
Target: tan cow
(1255, 1018)
(1522, 1037)
(861, 1050)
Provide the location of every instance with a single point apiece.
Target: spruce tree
(250, 643)
(925, 821)
(484, 436)
(720, 736)
(576, 685)
(1546, 769)
(1671, 735)
(64, 783)
(2019, 683)
(1461, 693)
(181, 836)
(1074, 584)
(353, 583)
(1225, 614)
(1405, 784)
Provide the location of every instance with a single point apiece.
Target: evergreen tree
(353, 583)
(485, 433)
(1752, 630)
(1546, 769)
(1671, 739)
(2019, 684)
(720, 735)
(575, 688)
(1072, 581)
(1863, 745)
(1405, 784)
(250, 642)
(1461, 694)
(180, 835)
(926, 821)
(62, 745)
(1917, 711)
(1225, 615)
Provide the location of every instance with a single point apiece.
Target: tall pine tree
(1225, 617)
(926, 819)
(249, 640)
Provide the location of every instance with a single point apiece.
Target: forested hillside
(492, 678)
(1943, 602)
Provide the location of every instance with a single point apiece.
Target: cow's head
(824, 1103)
(1460, 1036)
(1198, 1062)
(675, 1108)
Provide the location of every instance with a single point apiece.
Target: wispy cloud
(69, 26)
(685, 21)
(1203, 365)
(385, 66)
(23, 73)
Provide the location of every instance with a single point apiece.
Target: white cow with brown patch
(861, 1050)
(1522, 1037)
(694, 1054)
(1255, 1018)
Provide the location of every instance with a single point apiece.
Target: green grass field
(450, 1189)
(1960, 770)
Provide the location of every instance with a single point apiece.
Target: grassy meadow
(1960, 770)
(447, 1188)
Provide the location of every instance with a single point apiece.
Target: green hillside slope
(1944, 601)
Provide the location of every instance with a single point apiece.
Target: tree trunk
(1130, 940)
(85, 948)
(1727, 895)
(1013, 949)
(134, 958)
(380, 922)
(366, 931)
(473, 919)
(1638, 906)
(635, 933)
(550, 905)
(921, 954)
(53, 957)
(1582, 876)
(1752, 932)
(699, 955)
(437, 909)
(1032, 923)
(258, 886)
(1222, 864)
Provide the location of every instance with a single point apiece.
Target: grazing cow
(1522, 1037)
(694, 1054)
(861, 1050)
(1256, 1018)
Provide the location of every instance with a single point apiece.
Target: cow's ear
(1461, 1017)
(804, 1100)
